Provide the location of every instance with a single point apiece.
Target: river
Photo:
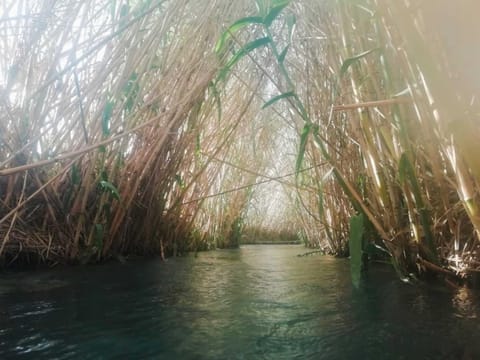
(256, 302)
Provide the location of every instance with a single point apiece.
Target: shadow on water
(258, 302)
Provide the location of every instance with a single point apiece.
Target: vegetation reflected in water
(256, 302)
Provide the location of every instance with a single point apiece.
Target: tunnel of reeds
(160, 127)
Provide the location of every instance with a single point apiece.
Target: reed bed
(109, 125)
(387, 119)
(392, 108)
(153, 127)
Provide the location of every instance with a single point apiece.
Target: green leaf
(282, 55)
(213, 88)
(75, 174)
(403, 168)
(179, 180)
(104, 175)
(241, 53)
(198, 148)
(106, 116)
(237, 25)
(275, 11)
(130, 92)
(350, 61)
(303, 145)
(108, 186)
(277, 98)
(355, 243)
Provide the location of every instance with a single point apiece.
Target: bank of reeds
(409, 112)
(111, 128)
(139, 128)
(383, 95)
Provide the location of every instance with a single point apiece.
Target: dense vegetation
(268, 236)
(161, 126)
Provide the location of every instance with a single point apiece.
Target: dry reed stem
(404, 162)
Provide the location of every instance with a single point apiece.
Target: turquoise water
(258, 302)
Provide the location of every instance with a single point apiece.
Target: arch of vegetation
(161, 126)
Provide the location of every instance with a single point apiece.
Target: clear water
(258, 302)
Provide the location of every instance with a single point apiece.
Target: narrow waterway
(257, 302)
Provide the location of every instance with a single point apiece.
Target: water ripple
(259, 302)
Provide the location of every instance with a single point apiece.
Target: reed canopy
(166, 126)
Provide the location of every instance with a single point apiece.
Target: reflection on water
(259, 302)
(465, 303)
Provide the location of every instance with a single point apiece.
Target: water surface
(257, 302)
